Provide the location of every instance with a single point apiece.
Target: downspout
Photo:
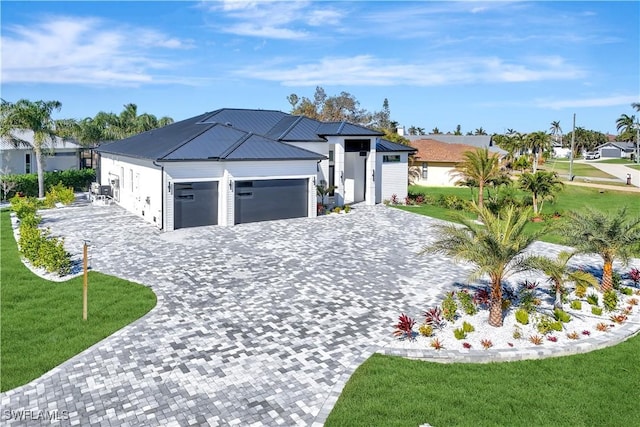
(161, 194)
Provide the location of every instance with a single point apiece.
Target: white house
(234, 166)
(616, 150)
(20, 158)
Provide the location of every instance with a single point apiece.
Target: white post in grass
(85, 281)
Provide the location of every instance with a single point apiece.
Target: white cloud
(84, 50)
(606, 101)
(291, 20)
(368, 70)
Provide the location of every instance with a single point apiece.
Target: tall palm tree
(34, 116)
(480, 131)
(625, 125)
(541, 185)
(556, 130)
(612, 237)
(495, 248)
(435, 131)
(538, 142)
(636, 106)
(560, 273)
(479, 166)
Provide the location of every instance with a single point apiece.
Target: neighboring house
(616, 150)
(235, 166)
(475, 141)
(437, 160)
(20, 159)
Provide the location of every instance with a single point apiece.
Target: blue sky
(495, 65)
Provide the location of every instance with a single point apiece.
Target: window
(64, 154)
(332, 180)
(27, 163)
(425, 170)
(331, 155)
(391, 158)
(121, 177)
(131, 179)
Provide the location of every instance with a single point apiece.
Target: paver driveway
(258, 324)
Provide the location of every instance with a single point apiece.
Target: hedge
(27, 184)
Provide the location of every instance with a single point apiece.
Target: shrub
(616, 280)
(581, 290)
(486, 344)
(59, 194)
(466, 345)
(404, 327)
(618, 318)
(436, 344)
(610, 300)
(27, 184)
(482, 297)
(459, 333)
(576, 305)
(347, 209)
(394, 199)
(433, 317)
(467, 303)
(592, 299)
(467, 327)
(425, 330)
(634, 276)
(552, 338)
(44, 251)
(546, 324)
(633, 301)
(23, 206)
(522, 316)
(527, 301)
(561, 315)
(536, 339)
(573, 335)
(517, 333)
(337, 209)
(596, 310)
(602, 327)
(449, 308)
(626, 291)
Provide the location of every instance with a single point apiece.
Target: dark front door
(195, 204)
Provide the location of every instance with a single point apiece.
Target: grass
(42, 322)
(615, 161)
(637, 167)
(393, 391)
(579, 169)
(571, 198)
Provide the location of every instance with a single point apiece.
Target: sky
(496, 65)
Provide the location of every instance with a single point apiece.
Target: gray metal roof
(232, 134)
(384, 145)
(625, 146)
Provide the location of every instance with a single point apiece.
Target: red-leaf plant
(404, 328)
(434, 318)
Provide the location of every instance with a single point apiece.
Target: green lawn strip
(571, 198)
(393, 391)
(41, 321)
(636, 167)
(615, 161)
(579, 169)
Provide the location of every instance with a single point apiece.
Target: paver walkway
(257, 324)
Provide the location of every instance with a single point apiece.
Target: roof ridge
(291, 126)
(182, 144)
(236, 144)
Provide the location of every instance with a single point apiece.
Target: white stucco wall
(12, 161)
(438, 175)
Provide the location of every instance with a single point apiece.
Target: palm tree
(625, 125)
(559, 273)
(495, 248)
(556, 130)
(479, 167)
(537, 142)
(610, 236)
(25, 115)
(636, 106)
(458, 130)
(541, 185)
(480, 131)
(435, 131)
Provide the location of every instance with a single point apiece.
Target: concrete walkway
(617, 170)
(258, 324)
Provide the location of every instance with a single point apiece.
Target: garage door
(610, 152)
(271, 199)
(195, 204)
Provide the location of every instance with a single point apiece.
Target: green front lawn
(637, 167)
(570, 198)
(42, 322)
(579, 169)
(597, 388)
(615, 161)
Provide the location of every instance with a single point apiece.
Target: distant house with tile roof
(234, 166)
(436, 160)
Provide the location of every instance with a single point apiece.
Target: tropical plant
(323, 190)
(495, 248)
(560, 273)
(541, 185)
(556, 130)
(612, 236)
(480, 167)
(25, 115)
(404, 327)
(625, 125)
(538, 142)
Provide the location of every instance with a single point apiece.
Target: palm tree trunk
(38, 154)
(495, 310)
(535, 204)
(607, 276)
(558, 302)
(535, 162)
(480, 195)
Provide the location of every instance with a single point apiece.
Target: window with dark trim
(395, 158)
(425, 170)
